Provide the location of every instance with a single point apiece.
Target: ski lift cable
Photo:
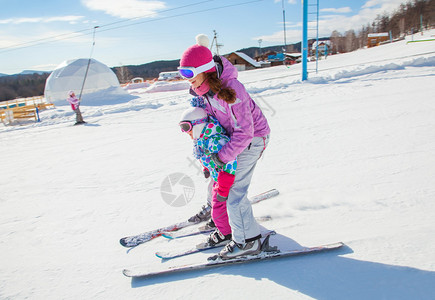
(38, 41)
(85, 32)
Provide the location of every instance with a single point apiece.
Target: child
(75, 105)
(208, 136)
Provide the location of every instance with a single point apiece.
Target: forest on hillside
(25, 85)
(410, 17)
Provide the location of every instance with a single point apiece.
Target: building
(292, 58)
(242, 61)
(264, 56)
(276, 60)
(375, 39)
(323, 47)
(168, 76)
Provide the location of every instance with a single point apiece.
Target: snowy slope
(351, 151)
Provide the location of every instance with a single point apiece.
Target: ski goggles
(191, 72)
(187, 126)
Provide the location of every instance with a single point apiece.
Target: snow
(351, 152)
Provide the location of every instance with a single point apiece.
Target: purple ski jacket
(74, 102)
(242, 119)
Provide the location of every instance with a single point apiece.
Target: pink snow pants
(219, 212)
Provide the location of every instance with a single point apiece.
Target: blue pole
(317, 38)
(37, 114)
(304, 39)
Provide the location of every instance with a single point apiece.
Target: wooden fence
(23, 108)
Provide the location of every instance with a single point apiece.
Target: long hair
(226, 94)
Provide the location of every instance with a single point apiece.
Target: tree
(362, 37)
(336, 42)
(123, 74)
(15, 86)
(406, 19)
(351, 43)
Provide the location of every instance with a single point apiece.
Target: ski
(198, 248)
(264, 196)
(172, 235)
(217, 262)
(135, 240)
(202, 230)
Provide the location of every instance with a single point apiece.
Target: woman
(228, 101)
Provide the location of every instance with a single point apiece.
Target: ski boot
(216, 238)
(203, 215)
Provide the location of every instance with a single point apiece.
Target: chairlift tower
(215, 42)
(315, 27)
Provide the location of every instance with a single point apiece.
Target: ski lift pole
(89, 62)
(317, 38)
(304, 39)
(285, 38)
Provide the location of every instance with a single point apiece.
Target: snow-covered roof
(326, 42)
(295, 54)
(378, 34)
(249, 59)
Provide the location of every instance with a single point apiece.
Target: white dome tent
(101, 82)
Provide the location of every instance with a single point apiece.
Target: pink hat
(198, 55)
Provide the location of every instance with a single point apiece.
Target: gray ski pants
(79, 117)
(241, 218)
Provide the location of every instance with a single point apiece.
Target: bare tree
(412, 16)
(123, 74)
(337, 42)
(351, 43)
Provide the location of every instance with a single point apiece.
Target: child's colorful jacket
(211, 140)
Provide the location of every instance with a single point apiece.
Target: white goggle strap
(205, 67)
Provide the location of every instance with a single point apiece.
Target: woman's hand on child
(217, 160)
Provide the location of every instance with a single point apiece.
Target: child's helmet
(195, 114)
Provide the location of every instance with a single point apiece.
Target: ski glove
(206, 172)
(225, 181)
(217, 160)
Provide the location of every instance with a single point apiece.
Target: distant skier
(226, 99)
(208, 137)
(75, 105)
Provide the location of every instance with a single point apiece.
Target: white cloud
(292, 36)
(126, 9)
(44, 67)
(337, 10)
(41, 20)
(289, 1)
(290, 24)
(372, 3)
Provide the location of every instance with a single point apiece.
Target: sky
(40, 35)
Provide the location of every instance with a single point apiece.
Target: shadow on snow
(325, 275)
